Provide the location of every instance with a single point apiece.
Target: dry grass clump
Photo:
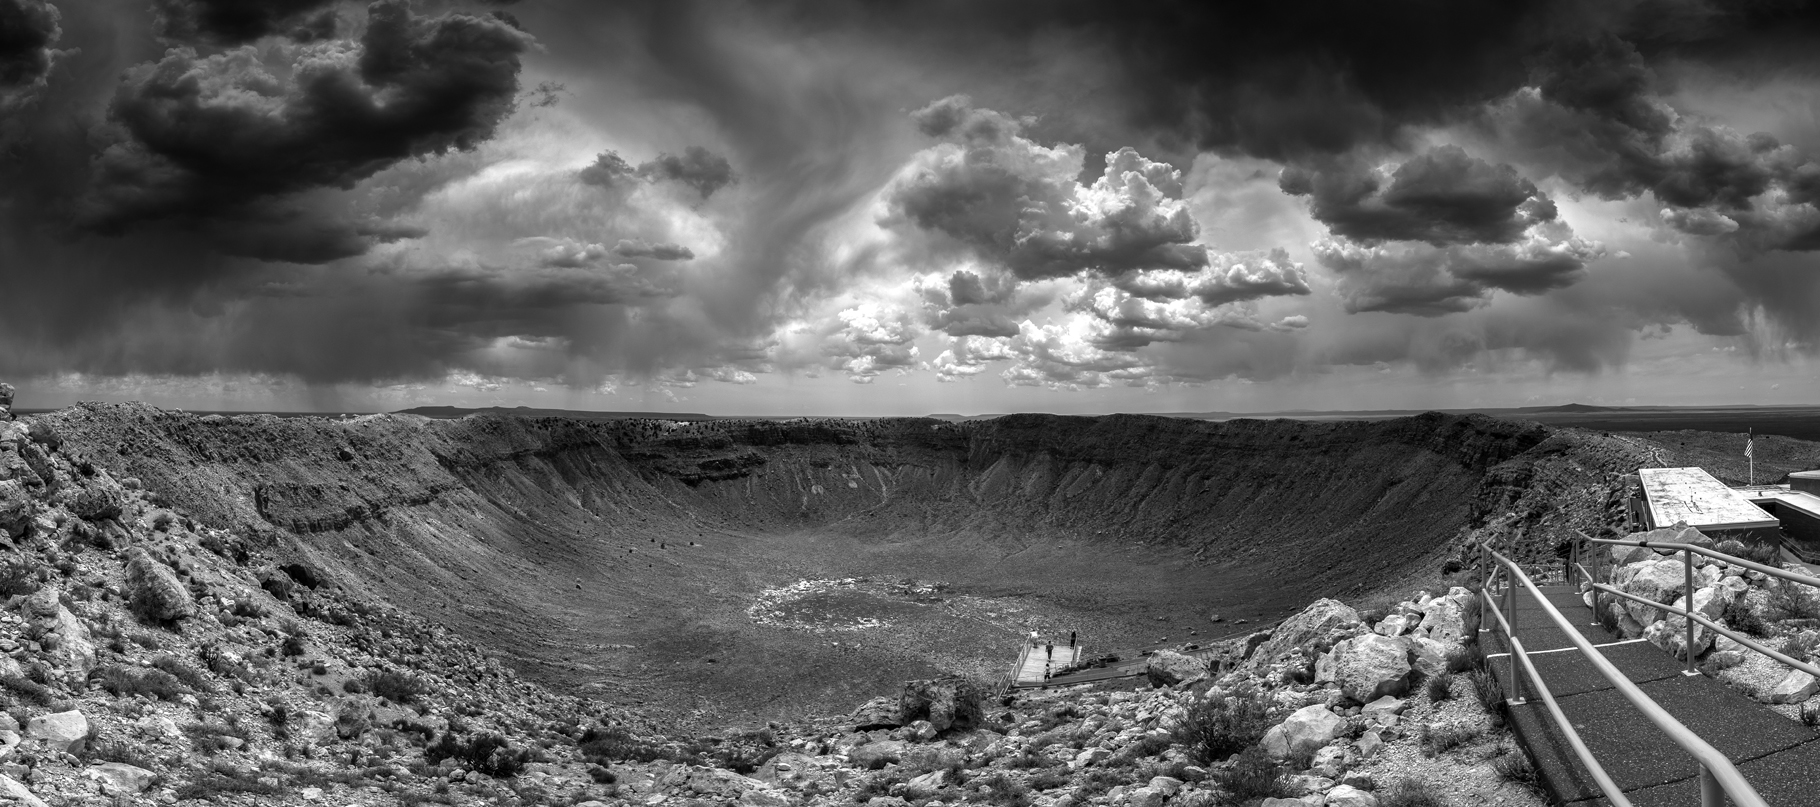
(1213, 729)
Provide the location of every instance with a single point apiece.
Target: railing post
(1687, 565)
(1510, 615)
(1711, 794)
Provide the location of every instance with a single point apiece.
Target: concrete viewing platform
(1034, 665)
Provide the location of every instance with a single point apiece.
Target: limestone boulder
(947, 703)
(1444, 618)
(1661, 581)
(1305, 731)
(878, 713)
(1372, 666)
(1168, 668)
(1429, 655)
(15, 508)
(1670, 634)
(878, 754)
(1349, 796)
(120, 778)
(1393, 625)
(14, 792)
(721, 783)
(60, 732)
(926, 785)
(1316, 622)
(1384, 706)
(760, 797)
(155, 591)
(1795, 687)
(73, 648)
(101, 498)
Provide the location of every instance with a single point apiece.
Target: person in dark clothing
(1071, 639)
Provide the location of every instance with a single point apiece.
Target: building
(1797, 507)
(1693, 497)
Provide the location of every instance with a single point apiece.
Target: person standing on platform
(1071, 644)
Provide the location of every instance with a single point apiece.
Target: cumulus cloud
(1017, 203)
(235, 22)
(29, 32)
(969, 356)
(639, 248)
(1230, 278)
(869, 339)
(1442, 196)
(224, 137)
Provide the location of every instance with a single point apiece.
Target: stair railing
(1718, 777)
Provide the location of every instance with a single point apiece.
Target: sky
(846, 207)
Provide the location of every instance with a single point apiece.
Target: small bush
(1789, 601)
(1513, 766)
(394, 686)
(1005, 791)
(1410, 793)
(1489, 692)
(1254, 775)
(601, 775)
(489, 753)
(211, 785)
(1438, 741)
(190, 676)
(1464, 659)
(28, 690)
(125, 681)
(17, 578)
(1801, 647)
(293, 646)
(1472, 613)
(1212, 729)
(98, 750)
(1440, 687)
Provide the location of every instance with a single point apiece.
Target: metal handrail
(1718, 777)
(1711, 553)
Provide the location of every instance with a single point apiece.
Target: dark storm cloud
(608, 170)
(29, 32)
(213, 140)
(1416, 278)
(1443, 196)
(696, 167)
(633, 248)
(235, 22)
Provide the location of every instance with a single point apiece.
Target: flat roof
(1693, 496)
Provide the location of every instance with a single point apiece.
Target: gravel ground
(1460, 776)
(1756, 677)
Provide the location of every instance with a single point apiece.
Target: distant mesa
(457, 412)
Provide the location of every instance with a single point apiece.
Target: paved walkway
(1779, 756)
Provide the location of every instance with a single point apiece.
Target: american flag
(1750, 443)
